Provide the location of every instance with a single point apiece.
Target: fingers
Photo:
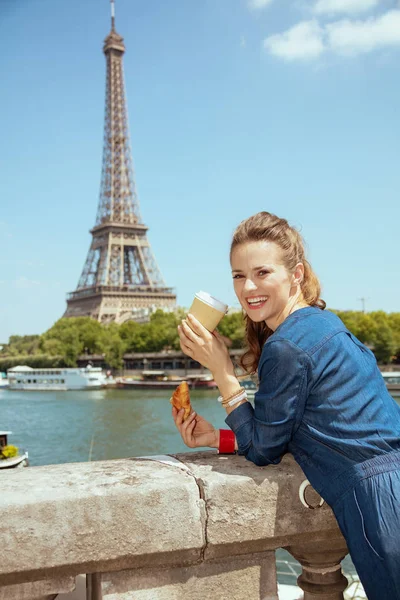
(198, 328)
(178, 416)
(189, 421)
(189, 333)
(184, 342)
(185, 428)
(192, 336)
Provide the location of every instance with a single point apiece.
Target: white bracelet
(235, 400)
(239, 391)
(238, 399)
(241, 395)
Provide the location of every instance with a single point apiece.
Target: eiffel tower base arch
(118, 306)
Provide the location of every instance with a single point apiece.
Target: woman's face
(265, 289)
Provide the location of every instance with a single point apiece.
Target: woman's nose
(249, 285)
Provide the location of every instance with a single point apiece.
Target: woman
(321, 397)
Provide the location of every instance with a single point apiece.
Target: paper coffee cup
(208, 310)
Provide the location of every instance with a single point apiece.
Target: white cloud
(331, 7)
(309, 40)
(357, 37)
(258, 4)
(304, 41)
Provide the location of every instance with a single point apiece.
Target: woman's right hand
(196, 432)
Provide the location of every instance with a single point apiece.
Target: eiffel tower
(120, 279)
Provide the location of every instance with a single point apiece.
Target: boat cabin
(3, 438)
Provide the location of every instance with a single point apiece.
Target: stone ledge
(172, 511)
(82, 517)
(258, 507)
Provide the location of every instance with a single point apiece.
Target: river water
(76, 426)
(60, 427)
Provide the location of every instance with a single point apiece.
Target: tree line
(68, 339)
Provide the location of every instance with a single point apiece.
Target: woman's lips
(252, 305)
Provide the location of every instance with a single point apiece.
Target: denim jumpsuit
(322, 398)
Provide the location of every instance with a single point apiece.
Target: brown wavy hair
(267, 227)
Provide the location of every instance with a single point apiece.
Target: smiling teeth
(257, 300)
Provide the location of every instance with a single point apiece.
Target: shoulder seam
(316, 346)
(282, 339)
(328, 337)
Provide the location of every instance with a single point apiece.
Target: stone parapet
(191, 526)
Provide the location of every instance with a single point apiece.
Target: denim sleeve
(263, 433)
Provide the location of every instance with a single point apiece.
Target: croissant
(181, 399)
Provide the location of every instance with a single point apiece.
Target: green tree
(383, 341)
(360, 324)
(160, 333)
(91, 334)
(164, 326)
(53, 347)
(22, 344)
(232, 327)
(114, 347)
(69, 338)
(65, 337)
(394, 323)
(72, 347)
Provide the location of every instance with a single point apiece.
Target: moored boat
(201, 382)
(14, 460)
(28, 379)
(150, 380)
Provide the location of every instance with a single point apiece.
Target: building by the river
(172, 362)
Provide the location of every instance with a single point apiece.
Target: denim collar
(298, 314)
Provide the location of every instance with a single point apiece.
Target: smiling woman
(321, 397)
(272, 278)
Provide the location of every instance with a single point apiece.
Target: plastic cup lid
(208, 299)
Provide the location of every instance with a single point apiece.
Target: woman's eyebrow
(253, 269)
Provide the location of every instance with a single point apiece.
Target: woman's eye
(262, 273)
(237, 276)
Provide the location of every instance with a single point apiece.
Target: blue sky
(235, 106)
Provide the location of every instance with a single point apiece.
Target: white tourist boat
(26, 378)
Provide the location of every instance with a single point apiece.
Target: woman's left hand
(206, 348)
(195, 431)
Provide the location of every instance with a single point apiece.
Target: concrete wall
(192, 526)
